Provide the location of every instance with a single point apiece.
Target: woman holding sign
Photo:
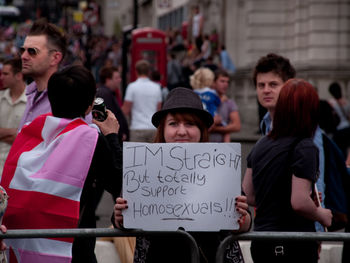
(183, 120)
(281, 174)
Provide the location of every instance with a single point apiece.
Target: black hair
(15, 63)
(335, 90)
(107, 73)
(55, 37)
(274, 63)
(221, 73)
(155, 75)
(71, 91)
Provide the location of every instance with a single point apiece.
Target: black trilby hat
(183, 100)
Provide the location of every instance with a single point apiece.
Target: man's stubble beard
(31, 73)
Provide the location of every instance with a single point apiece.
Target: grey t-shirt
(224, 110)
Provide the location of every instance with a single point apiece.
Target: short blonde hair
(202, 77)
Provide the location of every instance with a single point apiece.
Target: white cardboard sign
(189, 185)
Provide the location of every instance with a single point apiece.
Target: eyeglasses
(32, 51)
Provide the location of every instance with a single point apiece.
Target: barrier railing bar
(100, 232)
(107, 232)
(316, 236)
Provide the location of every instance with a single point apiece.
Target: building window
(172, 19)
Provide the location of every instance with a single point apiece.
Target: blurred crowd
(188, 46)
(193, 107)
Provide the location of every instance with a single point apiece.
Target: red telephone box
(149, 44)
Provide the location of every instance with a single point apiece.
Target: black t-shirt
(273, 162)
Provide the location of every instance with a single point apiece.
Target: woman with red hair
(282, 170)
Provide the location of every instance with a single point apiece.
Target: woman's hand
(325, 216)
(242, 209)
(109, 125)
(120, 205)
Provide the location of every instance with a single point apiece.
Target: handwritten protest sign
(189, 185)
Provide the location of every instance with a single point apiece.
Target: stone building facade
(313, 34)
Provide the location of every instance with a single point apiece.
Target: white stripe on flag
(52, 127)
(42, 245)
(30, 163)
(46, 186)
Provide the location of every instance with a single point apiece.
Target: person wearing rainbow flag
(54, 167)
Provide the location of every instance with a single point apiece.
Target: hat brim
(202, 114)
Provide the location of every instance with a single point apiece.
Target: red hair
(297, 110)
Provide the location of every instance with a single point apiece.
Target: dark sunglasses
(32, 51)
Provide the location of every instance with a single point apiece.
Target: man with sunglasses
(42, 52)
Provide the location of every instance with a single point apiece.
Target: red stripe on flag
(12, 256)
(24, 143)
(53, 207)
(72, 125)
(46, 211)
(30, 209)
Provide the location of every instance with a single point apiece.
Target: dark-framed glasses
(32, 51)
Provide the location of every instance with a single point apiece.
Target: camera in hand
(99, 112)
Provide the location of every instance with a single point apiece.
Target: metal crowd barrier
(108, 232)
(100, 232)
(316, 236)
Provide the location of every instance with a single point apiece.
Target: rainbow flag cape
(44, 175)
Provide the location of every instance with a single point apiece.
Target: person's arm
(159, 106)
(108, 157)
(8, 135)
(124, 126)
(226, 137)
(347, 161)
(303, 204)
(126, 108)
(233, 126)
(248, 187)
(201, 25)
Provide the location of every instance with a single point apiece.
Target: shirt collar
(22, 98)
(266, 124)
(31, 88)
(143, 79)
